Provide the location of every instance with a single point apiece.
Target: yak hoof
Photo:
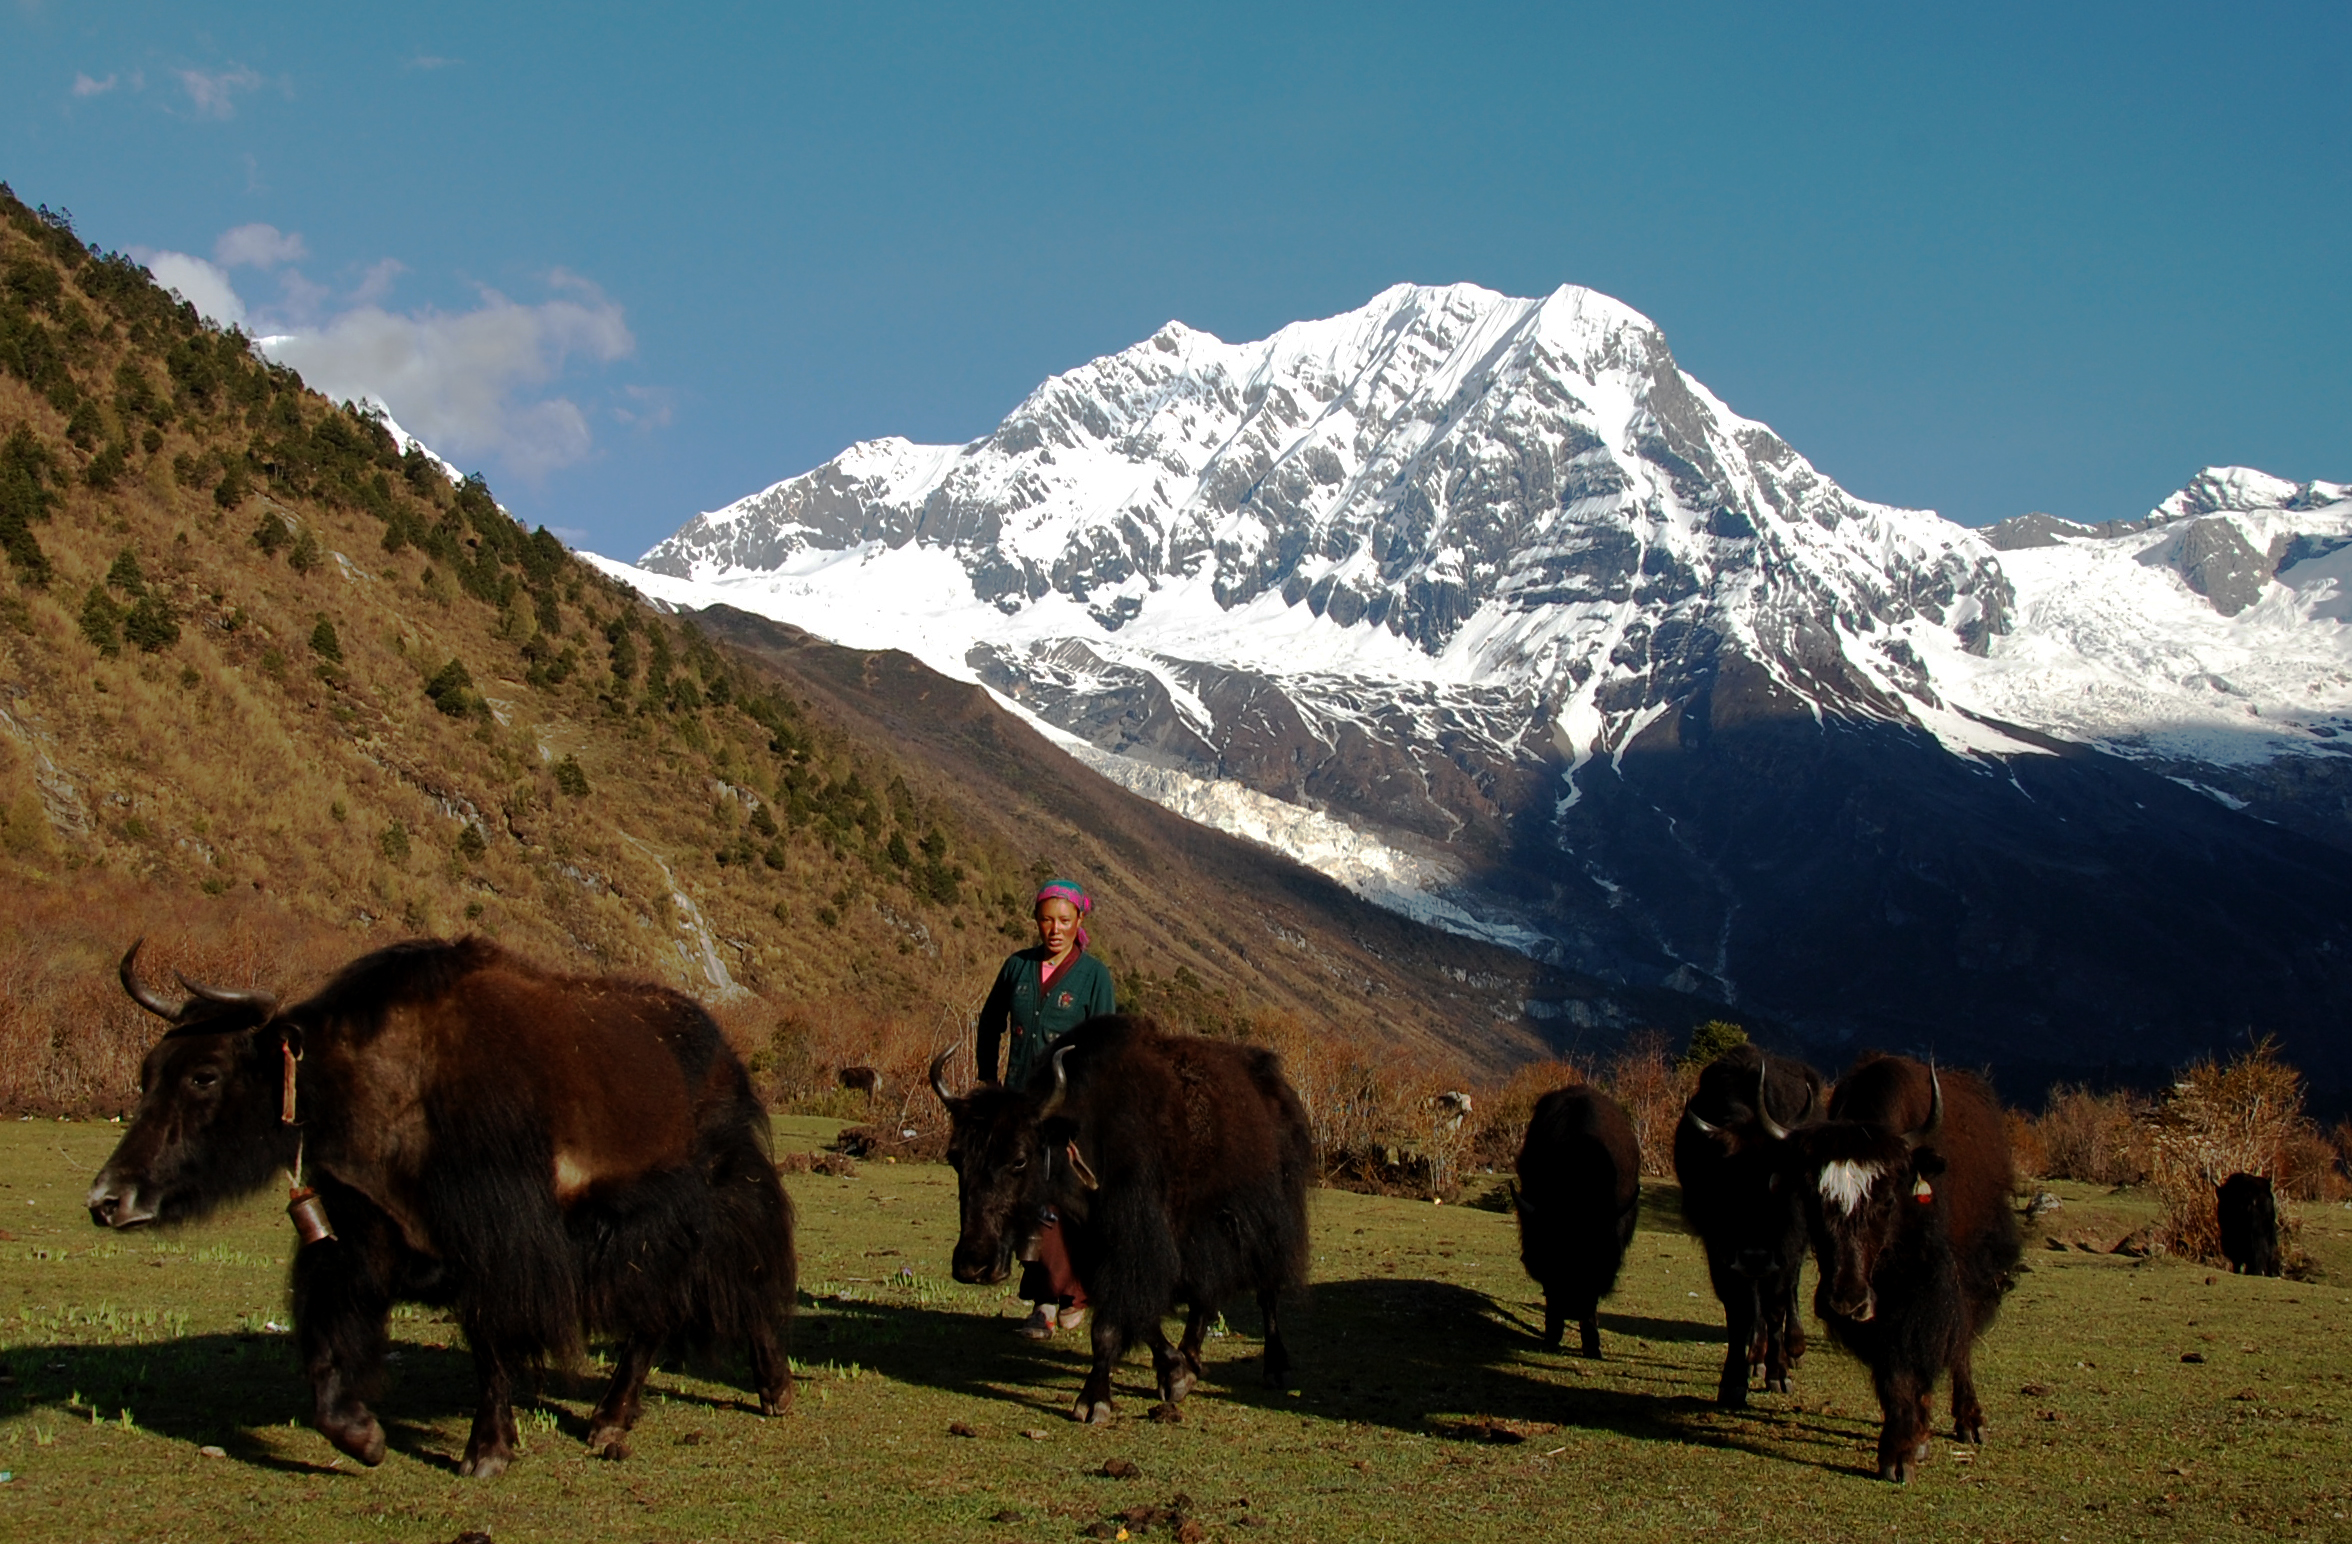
(1895, 1469)
(1780, 1385)
(1970, 1431)
(776, 1404)
(362, 1439)
(1091, 1412)
(485, 1466)
(608, 1442)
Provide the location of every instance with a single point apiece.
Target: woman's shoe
(1039, 1325)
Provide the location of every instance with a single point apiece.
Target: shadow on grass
(1413, 1355)
(221, 1390)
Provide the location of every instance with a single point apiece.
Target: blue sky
(633, 264)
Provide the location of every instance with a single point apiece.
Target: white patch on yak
(1845, 1183)
(571, 1177)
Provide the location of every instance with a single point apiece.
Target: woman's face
(1057, 924)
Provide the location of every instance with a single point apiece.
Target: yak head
(1864, 1186)
(1002, 1142)
(207, 1128)
(1739, 1151)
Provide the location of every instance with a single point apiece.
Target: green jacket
(1082, 991)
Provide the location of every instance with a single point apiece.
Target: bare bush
(2099, 1139)
(2239, 1117)
(1653, 1088)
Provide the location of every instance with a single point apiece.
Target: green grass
(1425, 1410)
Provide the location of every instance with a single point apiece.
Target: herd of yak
(550, 1157)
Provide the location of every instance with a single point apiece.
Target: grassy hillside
(274, 692)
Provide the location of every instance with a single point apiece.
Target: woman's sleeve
(994, 1014)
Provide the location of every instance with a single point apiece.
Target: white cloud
(84, 86)
(376, 283)
(198, 282)
(258, 246)
(214, 94)
(463, 383)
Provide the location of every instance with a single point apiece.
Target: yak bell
(310, 1216)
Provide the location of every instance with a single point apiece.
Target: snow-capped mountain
(1484, 606)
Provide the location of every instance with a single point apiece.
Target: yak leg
(1792, 1334)
(771, 1371)
(491, 1447)
(1968, 1417)
(1740, 1328)
(1555, 1321)
(1179, 1366)
(1902, 1437)
(1094, 1396)
(1588, 1324)
(1277, 1354)
(1784, 1342)
(608, 1427)
(341, 1302)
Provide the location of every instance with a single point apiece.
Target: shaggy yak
(1578, 1194)
(1906, 1192)
(538, 1153)
(2248, 1208)
(1727, 1154)
(1179, 1169)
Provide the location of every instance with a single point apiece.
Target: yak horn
(129, 971)
(1772, 1128)
(247, 997)
(1061, 1088)
(938, 1075)
(1704, 1124)
(1935, 1112)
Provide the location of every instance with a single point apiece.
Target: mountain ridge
(1435, 569)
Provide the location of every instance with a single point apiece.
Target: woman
(1040, 995)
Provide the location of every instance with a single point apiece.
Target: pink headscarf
(1065, 890)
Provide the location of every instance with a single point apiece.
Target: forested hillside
(274, 691)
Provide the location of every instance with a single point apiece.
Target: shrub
(124, 573)
(1711, 1040)
(570, 779)
(392, 842)
(271, 533)
(151, 625)
(470, 844)
(107, 467)
(452, 689)
(306, 554)
(324, 643)
(2096, 1138)
(233, 488)
(2220, 1119)
(101, 621)
(1653, 1091)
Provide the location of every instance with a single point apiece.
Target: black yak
(1179, 1169)
(1727, 1154)
(1578, 1194)
(1906, 1191)
(538, 1153)
(2249, 1224)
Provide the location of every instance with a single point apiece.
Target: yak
(1579, 1191)
(1727, 1152)
(1178, 1168)
(1906, 1192)
(538, 1153)
(2249, 1224)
